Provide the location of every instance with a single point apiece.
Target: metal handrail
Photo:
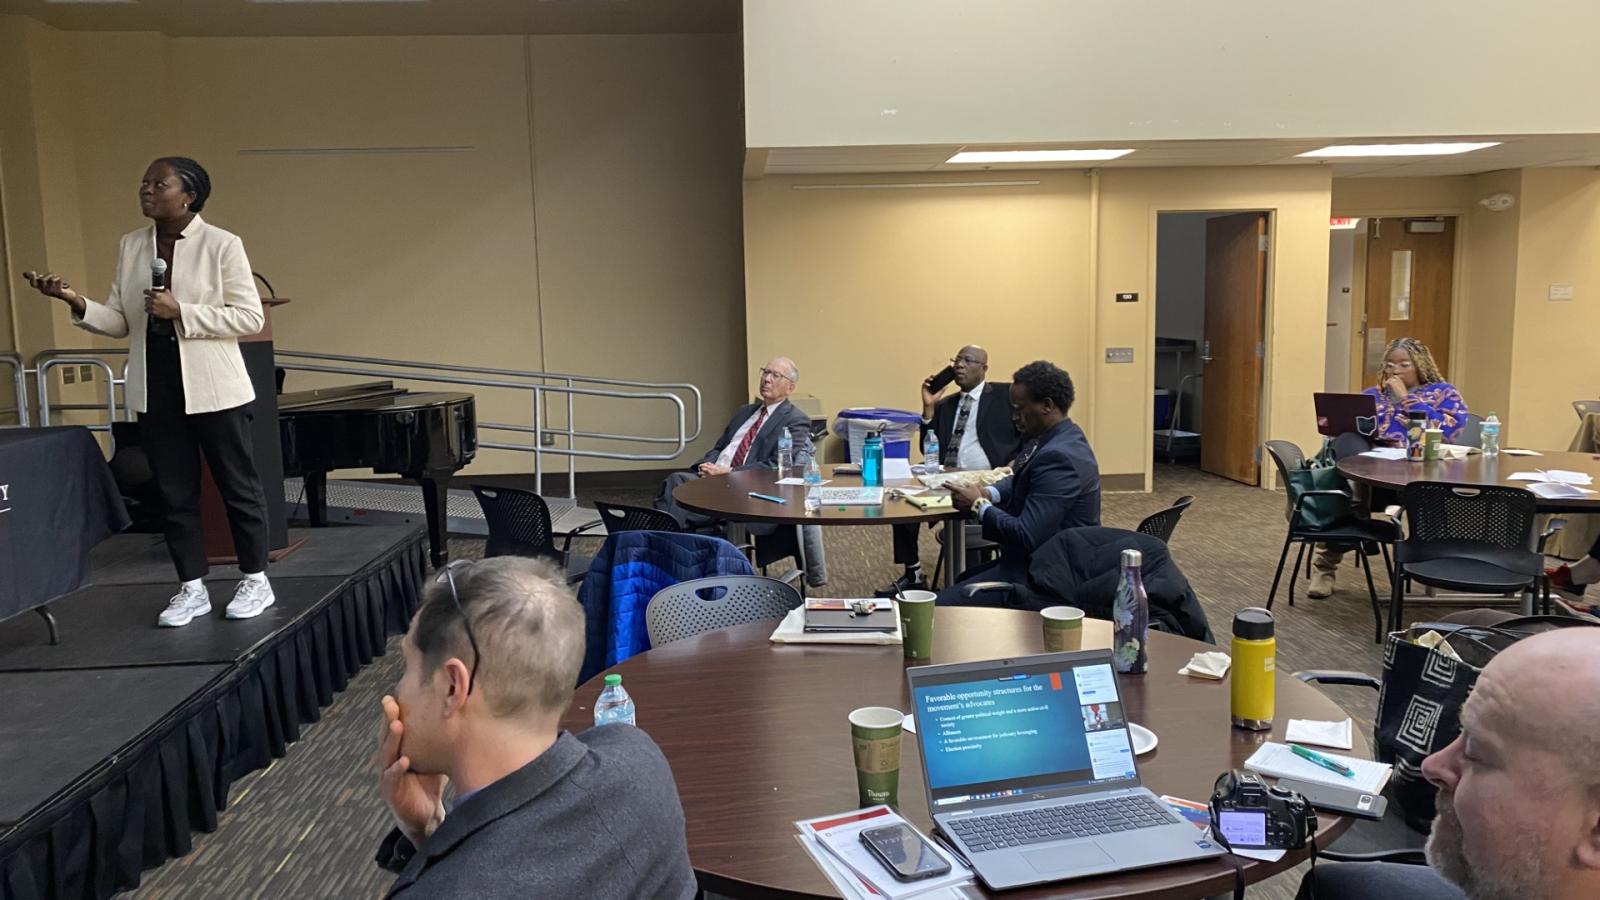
(42, 376)
(570, 380)
(19, 383)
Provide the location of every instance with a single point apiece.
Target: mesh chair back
(706, 604)
(1287, 456)
(1161, 524)
(519, 522)
(1585, 407)
(1471, 433)
(1500, 516)
(619, 517)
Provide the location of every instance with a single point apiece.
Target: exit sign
(1342, 223)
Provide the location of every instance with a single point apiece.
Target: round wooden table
(728, 497)
(757, 738)
(1477, 469)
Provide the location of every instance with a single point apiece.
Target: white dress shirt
(725, 458)
(970, 454)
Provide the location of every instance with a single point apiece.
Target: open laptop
(1030, 771)
(1343, 414)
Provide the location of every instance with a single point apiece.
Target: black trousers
(174, 440)
(905, 545)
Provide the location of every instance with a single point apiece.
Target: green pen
(1322, 761)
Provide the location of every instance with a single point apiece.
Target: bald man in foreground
(1519, 790)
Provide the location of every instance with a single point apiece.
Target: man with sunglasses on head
(751, 439)
(490, 663)
(975, 431)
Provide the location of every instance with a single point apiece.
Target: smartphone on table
(905, 853)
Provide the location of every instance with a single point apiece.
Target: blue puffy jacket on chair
(631, 567)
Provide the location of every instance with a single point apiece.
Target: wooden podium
(268, 447)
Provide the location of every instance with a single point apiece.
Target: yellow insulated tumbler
(1255, 652)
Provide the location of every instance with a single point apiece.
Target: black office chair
(1476, 539)
(1163, 523)
(519, 525)
(1349, 528)
(620, 517)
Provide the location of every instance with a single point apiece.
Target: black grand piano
(426, 436)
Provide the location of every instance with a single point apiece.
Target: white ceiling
(1515, 152)
(217, 18)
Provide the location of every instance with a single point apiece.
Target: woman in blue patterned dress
(1409, 383)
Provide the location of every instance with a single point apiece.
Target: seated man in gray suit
(1055, 481)
(751, 442)
(490, 663)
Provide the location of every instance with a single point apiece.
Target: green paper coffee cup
(1063, 628)
(875, 734)
(916, 622)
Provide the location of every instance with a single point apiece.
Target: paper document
(1514, 451)
(840, 837)
(1386, 453)
(896, 469)
(798, 481)
(1552, 491)
(1279, 761)
(1553, 476)
(1326, 734)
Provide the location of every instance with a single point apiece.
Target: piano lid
(394, 401)
(336, 394)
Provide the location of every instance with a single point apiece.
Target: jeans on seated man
(975, 431)
(490, 663)
(1519, 790)
(750, 441)
(1055, 483)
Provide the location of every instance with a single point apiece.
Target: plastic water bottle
(872, 461)
(1490, 440)
(785, 454)
(813, 499)
(930, 453)
(1130, 617)
(614, 704)
(813, 472)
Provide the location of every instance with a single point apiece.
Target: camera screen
(1243, 829)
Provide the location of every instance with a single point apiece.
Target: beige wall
(897, 280)
(1481, 357)
(586, 221)
(870, 291)
(842, 72)
(1554, 350)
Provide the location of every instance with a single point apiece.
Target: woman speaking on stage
(186, 377)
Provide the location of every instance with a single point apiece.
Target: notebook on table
(1279, 761)
(825, 615)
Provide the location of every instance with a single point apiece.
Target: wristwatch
(979, 505)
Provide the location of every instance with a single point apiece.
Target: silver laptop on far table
(1030, 770)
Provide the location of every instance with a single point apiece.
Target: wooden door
(1236, 289)
(1407, 304)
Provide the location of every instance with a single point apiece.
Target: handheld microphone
(158, 274)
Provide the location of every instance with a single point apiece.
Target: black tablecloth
(57, 500)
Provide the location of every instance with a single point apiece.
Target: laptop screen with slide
(995, 731)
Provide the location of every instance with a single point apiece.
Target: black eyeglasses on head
(447, 575)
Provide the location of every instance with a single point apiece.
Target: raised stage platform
(121, 741)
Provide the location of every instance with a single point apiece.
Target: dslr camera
(1248, 814)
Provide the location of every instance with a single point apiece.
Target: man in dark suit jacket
(750, 440)
(975, 431)
(1055, 482)
(538, 812)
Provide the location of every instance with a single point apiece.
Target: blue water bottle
(872, 460)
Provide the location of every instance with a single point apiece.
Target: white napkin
(792, 630)
(1327, 734)
(1213, 665)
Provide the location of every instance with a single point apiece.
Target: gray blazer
(595, 816)
(764, 452)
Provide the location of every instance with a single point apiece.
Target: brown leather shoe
(1321, 584)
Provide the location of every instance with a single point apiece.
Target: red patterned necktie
(749, 438)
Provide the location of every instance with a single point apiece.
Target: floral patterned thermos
(1131, 617)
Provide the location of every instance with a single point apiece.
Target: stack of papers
(792, 630)
(1555, 484)
(1386, 453)
(834, 844)
(851, 496)
(1279, 761)
(1327, 734)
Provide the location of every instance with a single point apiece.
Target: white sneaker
(184, 606)
(250, 599)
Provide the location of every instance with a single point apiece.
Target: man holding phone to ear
(975, 431)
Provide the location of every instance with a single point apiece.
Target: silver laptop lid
(1033, 727)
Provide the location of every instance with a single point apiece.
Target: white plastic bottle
(930, 453)
(785, 454)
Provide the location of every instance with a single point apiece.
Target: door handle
(1205, 351)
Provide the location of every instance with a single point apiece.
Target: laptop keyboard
(1060, 823)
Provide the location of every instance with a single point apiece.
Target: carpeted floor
(306, 827)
